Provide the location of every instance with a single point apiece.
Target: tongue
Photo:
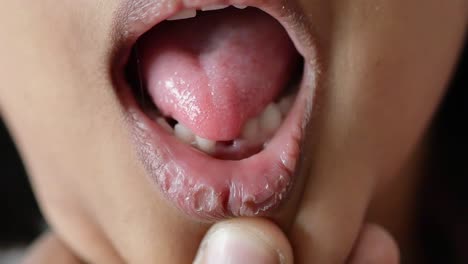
(214, 72)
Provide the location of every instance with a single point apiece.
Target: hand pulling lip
(210, 198)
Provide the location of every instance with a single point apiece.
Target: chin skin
(374, 103)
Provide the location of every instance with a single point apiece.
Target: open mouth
(218, 97)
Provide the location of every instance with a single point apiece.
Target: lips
(238, 178)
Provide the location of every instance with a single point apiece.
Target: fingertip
(245, 240)
(375, 245)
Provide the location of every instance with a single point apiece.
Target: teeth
(184, 14)
(205, 145)
(285, 105)
(250, 131)
(240, 6)
(188, 137)
(189, 13)
(264, 125)
(184, 134)
(213, 7)
(163, 123)
(270, 119)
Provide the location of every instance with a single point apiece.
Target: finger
(245, 240)
(375, 245)
(49, 249)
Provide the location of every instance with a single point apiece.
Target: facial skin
(385, 65)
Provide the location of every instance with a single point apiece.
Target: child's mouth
(218, 98)
(210, 79)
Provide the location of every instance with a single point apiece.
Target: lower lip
(210, 189)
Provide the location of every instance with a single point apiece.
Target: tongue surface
(214, 72)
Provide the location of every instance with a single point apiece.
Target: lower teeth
(256, 132)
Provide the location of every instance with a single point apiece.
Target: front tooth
(205, 145)
(184, 134)
(184, 14)
(240, 6)
(163, 123)
(251, 130)
(285, 105)
(270, 119)
(213, 7)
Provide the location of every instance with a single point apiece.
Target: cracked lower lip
(203, 187)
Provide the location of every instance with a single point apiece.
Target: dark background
(20, 220)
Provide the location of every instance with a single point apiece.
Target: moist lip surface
(205, 184)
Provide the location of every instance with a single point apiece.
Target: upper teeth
(213, 7)
(184, 14)
(189, 13)
(240, 6)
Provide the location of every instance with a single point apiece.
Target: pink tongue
(213, 72)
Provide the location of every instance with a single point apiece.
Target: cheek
(53, 99)
(70, 131)
(386, 64)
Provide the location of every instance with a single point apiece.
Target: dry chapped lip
(202, 186)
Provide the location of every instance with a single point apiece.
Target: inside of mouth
(221, 82)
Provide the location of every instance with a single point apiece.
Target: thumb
(256, 240)
(245, 240)
(375, 245)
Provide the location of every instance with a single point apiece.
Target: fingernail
(234, 245)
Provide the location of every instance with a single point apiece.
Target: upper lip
(135, 17)
(216, 198)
